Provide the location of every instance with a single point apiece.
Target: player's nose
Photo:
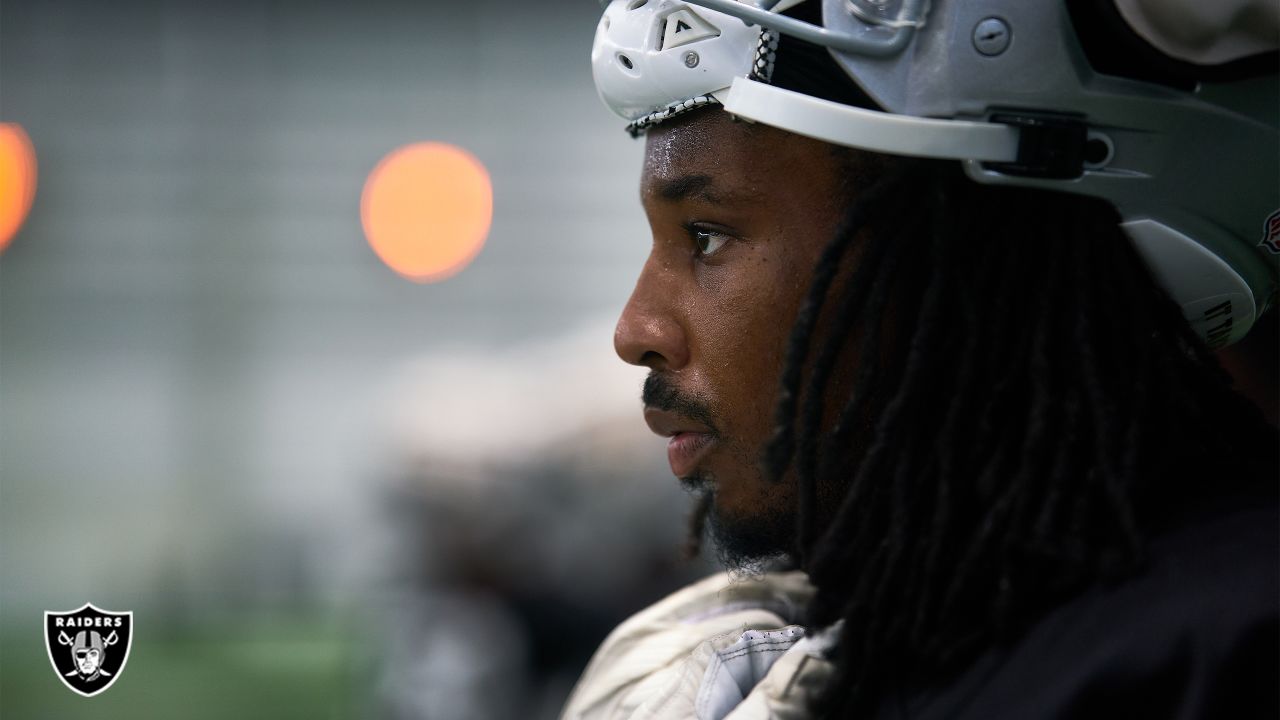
(650, 332)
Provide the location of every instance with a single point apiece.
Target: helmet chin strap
(1214, 298)
(871, 129)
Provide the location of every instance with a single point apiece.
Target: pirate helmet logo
(88, 647)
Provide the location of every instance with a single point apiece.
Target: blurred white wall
(196, 344)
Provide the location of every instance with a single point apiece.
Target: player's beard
(743, 544)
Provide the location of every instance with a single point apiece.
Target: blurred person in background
(519, 539)
(930, 316)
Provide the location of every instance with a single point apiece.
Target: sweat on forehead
(706, 129)
(707, 152)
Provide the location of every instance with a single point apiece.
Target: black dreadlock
(1033, 409)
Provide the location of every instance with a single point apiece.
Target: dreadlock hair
(1026, 406)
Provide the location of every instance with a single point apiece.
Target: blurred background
(324, 489)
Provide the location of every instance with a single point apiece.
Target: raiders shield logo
(88, 647)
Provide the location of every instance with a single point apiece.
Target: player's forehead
(692, 137)
(707, 153)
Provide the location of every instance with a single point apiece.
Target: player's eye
(706, 240)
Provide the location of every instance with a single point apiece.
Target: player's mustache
(661, 393)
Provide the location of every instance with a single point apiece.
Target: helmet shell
(651, 54)
(1195, 174)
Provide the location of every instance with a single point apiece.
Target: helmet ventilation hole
(637, 4)
(1098, 150)
(626, 62)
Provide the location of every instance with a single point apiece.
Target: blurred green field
(275, 669)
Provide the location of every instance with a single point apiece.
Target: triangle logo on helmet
(684, 26)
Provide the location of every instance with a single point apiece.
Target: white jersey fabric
(724, 648)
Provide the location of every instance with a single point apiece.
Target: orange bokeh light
(426, 210)
(17, 180)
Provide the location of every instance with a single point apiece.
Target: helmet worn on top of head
(1096, 97)
(652, 54)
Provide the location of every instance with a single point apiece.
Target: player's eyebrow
(701, 187)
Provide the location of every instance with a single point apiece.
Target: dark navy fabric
(1195, 635)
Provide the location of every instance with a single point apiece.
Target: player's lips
(689, 441)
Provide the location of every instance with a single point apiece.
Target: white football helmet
(1007, 88)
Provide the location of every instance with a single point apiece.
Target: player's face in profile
(739, 215)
